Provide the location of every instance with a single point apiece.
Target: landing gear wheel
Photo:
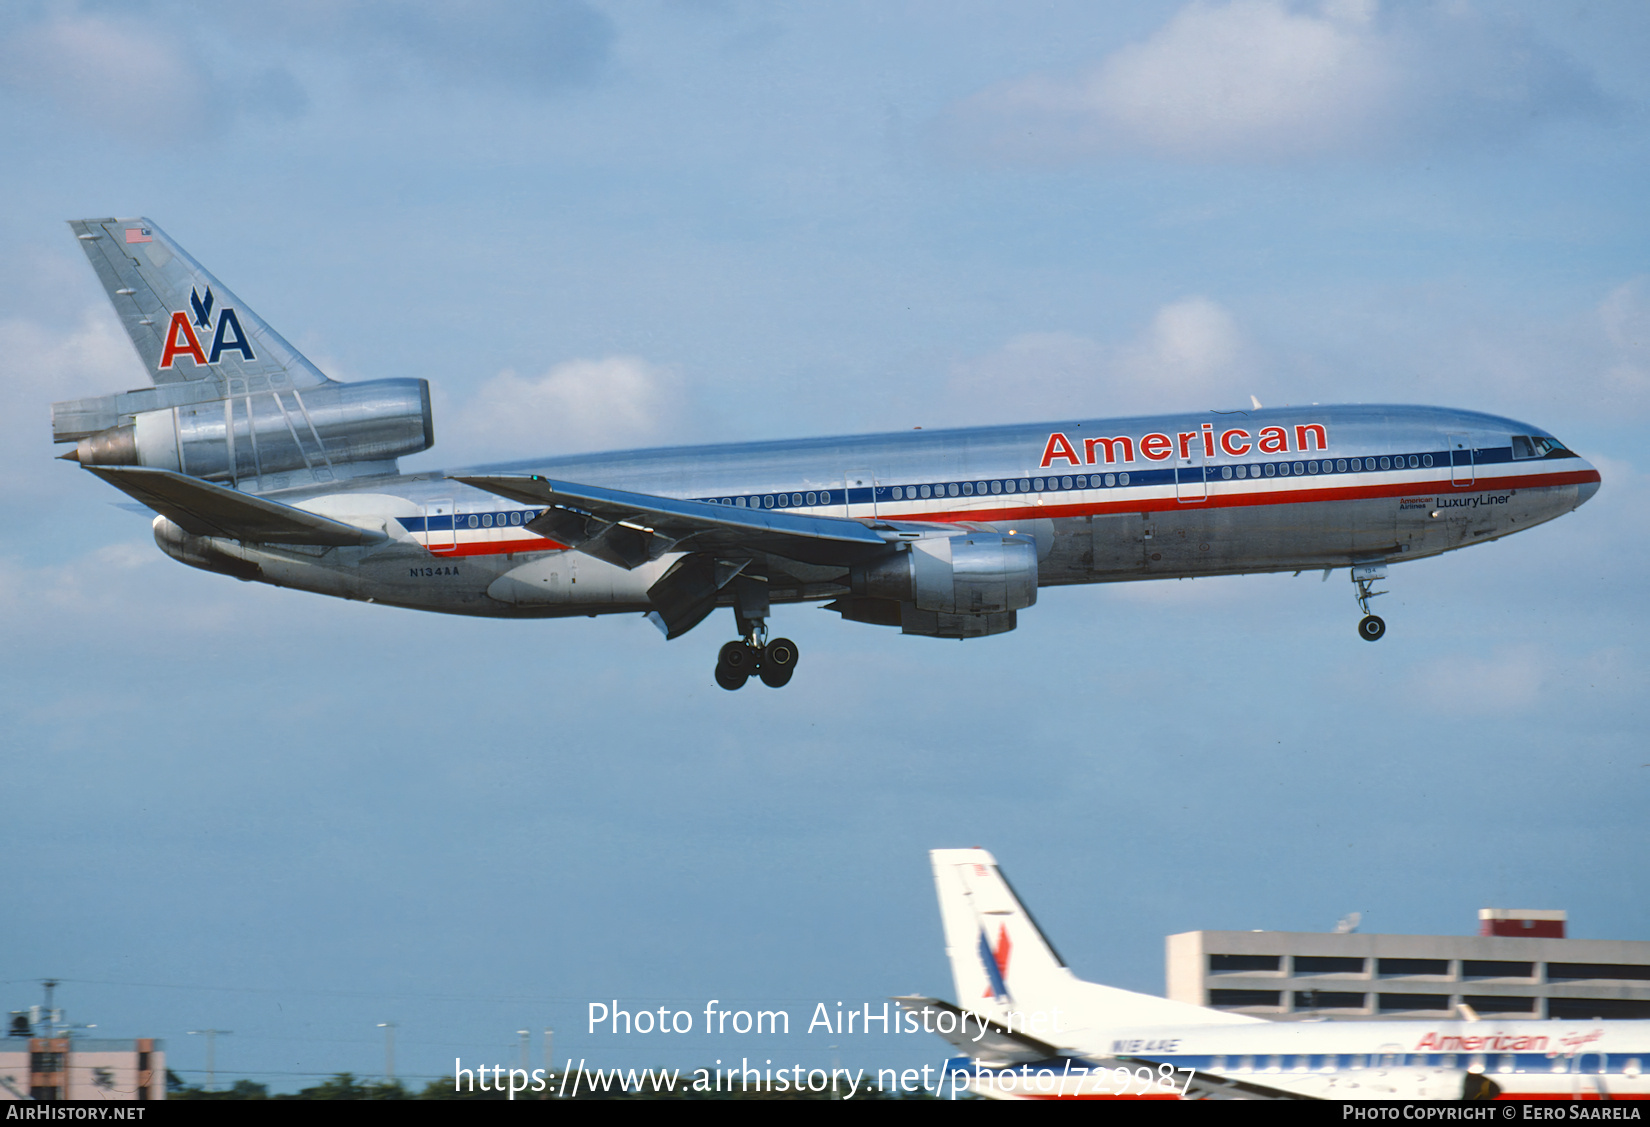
(735, 664)
(1371, 628)
(738, 657)
(778, 662)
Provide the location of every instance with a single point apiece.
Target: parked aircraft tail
(1005, 968)
(232, 401)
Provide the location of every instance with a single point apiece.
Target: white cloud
(578, 405)
(1267, 80)
(104, 70)
(1190, 356)
(39, 366)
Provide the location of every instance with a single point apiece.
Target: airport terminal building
(1520, 966)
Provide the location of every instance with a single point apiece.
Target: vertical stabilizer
(186, 325)
(1005, 968)
(998, 953)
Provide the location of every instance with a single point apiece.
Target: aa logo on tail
(227, 336)
(996, 963)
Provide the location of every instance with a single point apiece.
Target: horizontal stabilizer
(203, 509)
(630, 529)
(980, 1037)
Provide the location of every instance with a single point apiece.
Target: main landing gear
(754, 656)
(1370, 627)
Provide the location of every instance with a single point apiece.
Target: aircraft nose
(1585, 491)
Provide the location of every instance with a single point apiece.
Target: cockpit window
(1539, 446)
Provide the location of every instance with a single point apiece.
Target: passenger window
(925, 491)
(1311, 467)
(515, 518)
(952, 489)
(1299, 468)
(1065, 483)
(813, 498)
(1082, 482)
(982, 489)
(767, 501)
(1008, 486)
(824, 498)
(968, 487)
(1122, 478)
(1386, 463)
(1025, 485)
(1414, 462)
(739, 501)
(1426, 459)
(1340, 465)
(1226, 472)
(1038, 484)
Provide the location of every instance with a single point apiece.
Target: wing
(630, 529)
(203, 509)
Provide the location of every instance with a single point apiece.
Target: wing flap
(630, 529)
(203, 509)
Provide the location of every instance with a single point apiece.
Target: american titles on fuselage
(1158, 447)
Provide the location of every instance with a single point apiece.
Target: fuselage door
(440, 529)
(1460, 461)
(1191, 482)
(861, 495)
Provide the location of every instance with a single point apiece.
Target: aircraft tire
(737, 657)
(778, 663)
(1371, 628)
(730, 679)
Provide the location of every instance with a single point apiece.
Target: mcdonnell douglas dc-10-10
(261, 467)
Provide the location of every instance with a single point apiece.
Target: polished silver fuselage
(1103, 498)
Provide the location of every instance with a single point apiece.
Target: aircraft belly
(576, 583)
(1199, 540)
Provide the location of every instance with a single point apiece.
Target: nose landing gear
(753, 655)
(1370, 627)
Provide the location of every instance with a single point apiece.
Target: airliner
(259, 466)
(1029, 1028)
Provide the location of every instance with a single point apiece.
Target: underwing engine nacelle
(963, 586)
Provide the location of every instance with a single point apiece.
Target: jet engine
(948, 586)
(334, 430)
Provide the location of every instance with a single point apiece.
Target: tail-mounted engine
(962, 586)
(262, 440)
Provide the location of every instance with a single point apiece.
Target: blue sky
(594, 226)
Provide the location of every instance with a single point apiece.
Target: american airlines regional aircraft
(261, 467)
(1030, 1029)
